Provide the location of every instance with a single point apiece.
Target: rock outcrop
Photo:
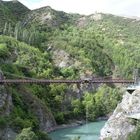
(5, 101)
(39, 109)
(120, 125)
(7, 134)
(62, 59)
(5, 108)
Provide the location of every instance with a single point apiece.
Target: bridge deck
(8, 81)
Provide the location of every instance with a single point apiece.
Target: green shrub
(27, 134)
(59, 117)
(3, 50)
(67, 72)
(101, 102)
(19, 123)
(3, 122)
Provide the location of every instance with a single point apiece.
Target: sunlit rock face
(120, 124)
(62, 59)
(96, 16)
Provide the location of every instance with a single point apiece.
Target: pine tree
(18, 31)
(5, 29)
(9, 29)
(25, 36)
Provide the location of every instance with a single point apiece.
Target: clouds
(125, 7)
(119, 7)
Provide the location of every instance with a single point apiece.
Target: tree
(5, 29)
(77, 107)
(27, 134)
(25, 36)
(18, 30)
(9, 29)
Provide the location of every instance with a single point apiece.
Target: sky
(117, 7)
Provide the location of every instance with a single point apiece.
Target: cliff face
(5, 110)
(36, 106)
(120, 124)
(39, 109)
(5, 102)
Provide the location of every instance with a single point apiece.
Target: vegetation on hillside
(19, 12)
(11, 12)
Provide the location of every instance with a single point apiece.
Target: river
(90, 131)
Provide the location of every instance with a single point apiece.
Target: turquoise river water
(90, 131)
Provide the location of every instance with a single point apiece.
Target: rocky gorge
(48, 44)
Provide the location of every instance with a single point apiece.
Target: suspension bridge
(94, 80)
(98, 80)
(24, 80)
(45, 81)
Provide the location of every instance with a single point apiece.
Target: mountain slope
(11, 12)
(17, 9)
(122, 38)
(48, 17)
(5, 15)
(118, 35)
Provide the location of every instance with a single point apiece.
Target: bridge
(24, 80)
(78, 81)
(95, 80)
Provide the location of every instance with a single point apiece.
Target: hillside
(16, 8)
(11, 12)
(19, 60)
(49, 44)
(46, 17)
(118, 36)
(5, 15)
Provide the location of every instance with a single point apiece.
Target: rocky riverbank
(63, 126)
